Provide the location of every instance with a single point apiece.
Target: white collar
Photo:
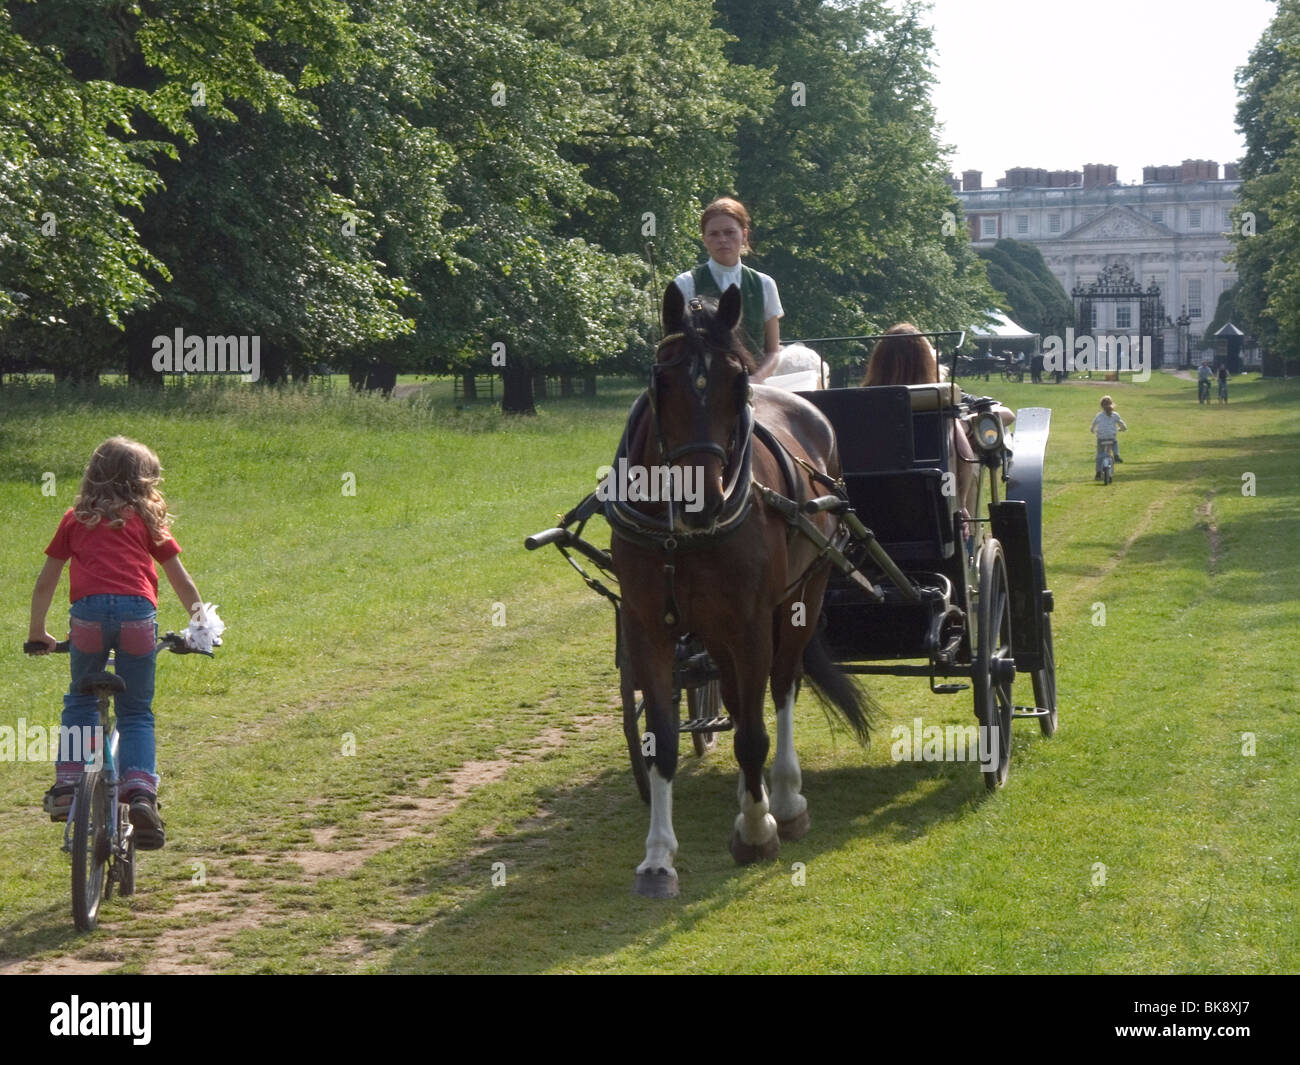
(724, 273)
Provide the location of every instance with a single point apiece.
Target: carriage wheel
(1045, 681)
(633, 711)
(994, 668)
(703, 703)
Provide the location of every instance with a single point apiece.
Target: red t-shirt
(108, 561)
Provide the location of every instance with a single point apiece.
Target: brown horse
(724, 565)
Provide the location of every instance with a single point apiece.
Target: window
(1123, 316)
(988, 226)
(1022, 224)
(1054, 223)
(1158, 215)
(1194, 217)
(1193, 299)
(1227, 220)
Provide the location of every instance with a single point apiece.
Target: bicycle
(102, 846)
(1203, 390)
(1107, 461)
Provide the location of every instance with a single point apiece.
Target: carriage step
(948, 689)
(706, 724)
(1029, 711)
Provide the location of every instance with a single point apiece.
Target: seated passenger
(903, 357)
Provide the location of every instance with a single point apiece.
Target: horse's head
(699, 388)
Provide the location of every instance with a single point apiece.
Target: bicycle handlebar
(172, 641)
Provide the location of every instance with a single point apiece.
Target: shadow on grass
(567, 900)
(37, 931)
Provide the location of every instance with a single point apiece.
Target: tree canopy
(1031, 293)
(457, 184)
(1267, 230)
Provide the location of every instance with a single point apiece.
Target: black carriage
(918, 589)
(960, 601)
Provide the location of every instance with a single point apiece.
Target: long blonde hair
(123, 475)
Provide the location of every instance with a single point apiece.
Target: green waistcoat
(752, 321)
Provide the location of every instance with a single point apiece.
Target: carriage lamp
(988, 431)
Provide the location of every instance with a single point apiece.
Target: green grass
(371, 616)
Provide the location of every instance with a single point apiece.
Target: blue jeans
(127, 624)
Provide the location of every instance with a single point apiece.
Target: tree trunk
(138, 339)
(517, 389)
(589, 384)
(539, 385)
(566, 385)
(468, 387)
(275, 363)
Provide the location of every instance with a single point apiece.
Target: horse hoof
(656, 884)
(749, 853)
(795, 828)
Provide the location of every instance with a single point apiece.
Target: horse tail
(836, 689)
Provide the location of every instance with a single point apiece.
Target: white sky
(1054, 84)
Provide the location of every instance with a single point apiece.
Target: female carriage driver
(724, 227)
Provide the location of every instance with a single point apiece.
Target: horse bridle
(653, 531)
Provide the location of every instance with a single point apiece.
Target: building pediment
(1119, 223)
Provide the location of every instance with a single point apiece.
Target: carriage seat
(895, 444)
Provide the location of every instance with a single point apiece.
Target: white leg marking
(787, 780)
(660, 844)
(754, 824)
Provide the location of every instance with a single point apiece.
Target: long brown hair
(123, 475)
(902, 357)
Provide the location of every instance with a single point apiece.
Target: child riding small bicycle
(115, 531)
(1107, 424)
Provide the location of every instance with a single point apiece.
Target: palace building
(1170, 232)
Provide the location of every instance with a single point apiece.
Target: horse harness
(653, 531)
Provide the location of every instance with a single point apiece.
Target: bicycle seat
(91, 683)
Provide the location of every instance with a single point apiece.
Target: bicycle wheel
(90, 848)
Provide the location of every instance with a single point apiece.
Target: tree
(1267, 231)
(843, 174)
(1030, 292)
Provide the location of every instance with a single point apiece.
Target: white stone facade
(1172, 233)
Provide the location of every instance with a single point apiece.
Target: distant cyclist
(1223, 384)
(1107, 424)
(1203, 382)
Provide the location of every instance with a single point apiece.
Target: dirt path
(195, 931)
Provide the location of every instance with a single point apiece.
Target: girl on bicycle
(115, 531)
(1107, 424)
